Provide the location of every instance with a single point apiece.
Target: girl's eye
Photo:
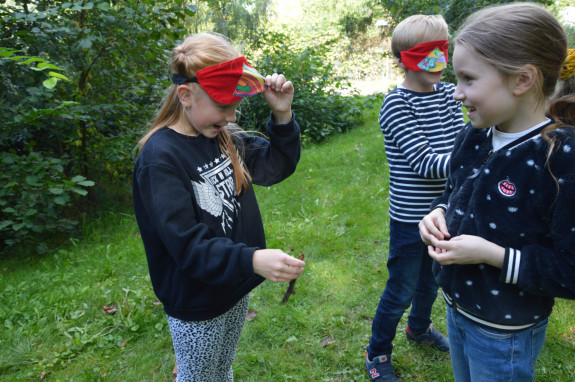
(464, 78)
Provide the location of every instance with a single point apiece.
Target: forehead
(465, 59)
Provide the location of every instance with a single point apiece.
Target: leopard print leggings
(205, 350)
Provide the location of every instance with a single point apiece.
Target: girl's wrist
(282, 118)
(496, 256)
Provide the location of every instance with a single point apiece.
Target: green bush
(320, 103)
(34, 193)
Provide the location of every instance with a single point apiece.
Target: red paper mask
(227, 82)
(429, 57)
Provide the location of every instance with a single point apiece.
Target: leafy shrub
(320, 105)
(34, 193)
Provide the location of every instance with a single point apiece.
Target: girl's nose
(458, 94)
(231, 116)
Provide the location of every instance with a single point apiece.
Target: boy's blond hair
(416, 30)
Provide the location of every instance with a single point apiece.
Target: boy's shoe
(431, 338)
(380, 369)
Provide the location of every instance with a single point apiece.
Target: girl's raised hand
(276, 265)
(279, 97)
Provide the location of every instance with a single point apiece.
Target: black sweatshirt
(199, 235)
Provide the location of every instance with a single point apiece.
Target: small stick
(290, 289)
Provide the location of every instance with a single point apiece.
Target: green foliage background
(81, 80)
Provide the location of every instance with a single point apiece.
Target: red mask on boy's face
(429, 57)
(227, 82)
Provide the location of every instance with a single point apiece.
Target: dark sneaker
(430, 338)
(380, 369)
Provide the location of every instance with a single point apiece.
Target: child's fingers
(287, 87)
(279, 83)
(293, 262)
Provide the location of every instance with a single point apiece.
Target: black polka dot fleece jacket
(516, 198)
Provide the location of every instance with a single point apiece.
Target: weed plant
(333, 210)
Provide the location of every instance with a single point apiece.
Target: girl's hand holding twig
(276, 265)
(279, 97)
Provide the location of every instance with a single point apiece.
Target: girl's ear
(525, 80)
(185, 95)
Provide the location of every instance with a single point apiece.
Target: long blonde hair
(197, 52)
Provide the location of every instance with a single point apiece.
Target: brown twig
(290, 289)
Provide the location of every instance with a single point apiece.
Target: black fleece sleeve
(271, 161)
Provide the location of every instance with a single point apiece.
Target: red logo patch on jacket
(506, 188)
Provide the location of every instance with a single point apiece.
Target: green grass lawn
(333, 210)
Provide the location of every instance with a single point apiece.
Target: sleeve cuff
(247, 263)
(442, 206)
(282, 130)
(511, 264)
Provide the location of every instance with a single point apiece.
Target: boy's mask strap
(429, 57)
(227, 82)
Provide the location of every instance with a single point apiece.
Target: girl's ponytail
(562, 106)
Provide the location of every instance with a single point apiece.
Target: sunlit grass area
(333, 210)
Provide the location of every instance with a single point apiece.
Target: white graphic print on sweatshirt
(217, 194)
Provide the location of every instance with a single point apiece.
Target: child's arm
(271, 161)
(279, 97)
(400, 125)
(466, 249)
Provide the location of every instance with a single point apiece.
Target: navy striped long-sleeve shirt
(419, 131)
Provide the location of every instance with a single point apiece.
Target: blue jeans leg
(410, 282)
(484, 355)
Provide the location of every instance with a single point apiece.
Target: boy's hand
(279, 97)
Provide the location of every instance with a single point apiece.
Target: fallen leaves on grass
(251, 315)
(327, 341)
(110, 309)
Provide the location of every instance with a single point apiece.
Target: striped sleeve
(511, 265)
(413, 137)
(419, 131)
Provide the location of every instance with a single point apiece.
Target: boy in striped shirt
(419, 119)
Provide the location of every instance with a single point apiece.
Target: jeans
(410, 282)
(484, 355)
